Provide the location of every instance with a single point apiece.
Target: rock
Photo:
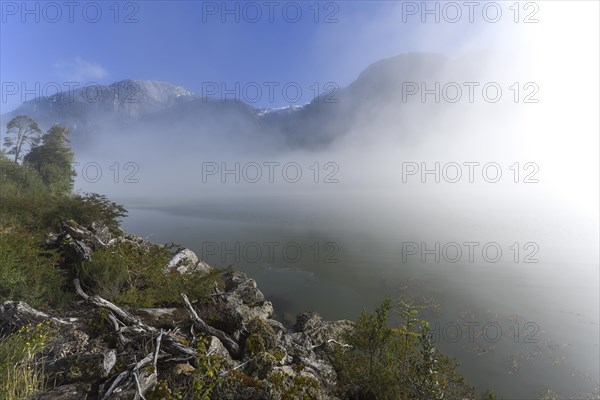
(79, 233)
(329, 330)
(186, 261)
(110, 359)
(215, 346)
(277, 326)
(78, 251)
(55, 239)
(261, 328)
(295, 383)
(244, 288)
(101, 231)
(241, 302)
(87, 367)
(306, 321)
(86, 355)
(183, 369)
(239, 386)
(319, 331)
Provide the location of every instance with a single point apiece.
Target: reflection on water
(516, 328)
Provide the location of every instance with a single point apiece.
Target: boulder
(215, 346)
(232, 310)
(186, 262)
(78, 251)
(307, 321)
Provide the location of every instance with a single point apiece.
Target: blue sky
(187, 43)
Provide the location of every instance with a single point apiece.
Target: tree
(53, 159)
(20, 131)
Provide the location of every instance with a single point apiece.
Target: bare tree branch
(228, 342)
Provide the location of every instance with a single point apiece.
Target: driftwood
(230, 344)
(126, 324)
(133, 325)
(78, 232)
(14, 314)
(127, 318)
(331, 341)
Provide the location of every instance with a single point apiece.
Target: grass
(21, 371)
(28, 272)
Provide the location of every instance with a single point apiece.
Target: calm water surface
(516, 328)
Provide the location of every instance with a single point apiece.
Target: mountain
(130, 105)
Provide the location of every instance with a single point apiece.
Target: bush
(29, 273)
(399, 363)
(43, 212)
(129, 275)
(19, 180)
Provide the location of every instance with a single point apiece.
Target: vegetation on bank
(376, 361)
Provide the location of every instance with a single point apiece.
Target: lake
(518, 324)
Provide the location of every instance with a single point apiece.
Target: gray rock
(78, 251)
(216, 347)
(241, 302)
(110, 359)
(244, 287)
(307, 320)
(319, 331)
(186, 262)
(55, 239)
(277, 326)
(101, 231)
(329, 330)
(87, 367)
(79, 233)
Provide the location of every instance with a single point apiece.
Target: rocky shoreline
(224, 346)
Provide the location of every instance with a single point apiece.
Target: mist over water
(464, 172)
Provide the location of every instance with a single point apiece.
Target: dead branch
(228, 342)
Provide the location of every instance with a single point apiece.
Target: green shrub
(19, 180)
(129, 275)
(28, 272)
(43, 212)
(396, 363)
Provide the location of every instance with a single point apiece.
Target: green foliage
(21, 131)
(53, 159)
(162, 391)
(206, 376)
(372, 364)
(488, 395)
(44, 212)
(200, 384)
(18, 180)
(130, 275)
(262, 337)
(254, 344)
(396, 363)
(286, 386)
(21, 371)
(426, 368)
(28, 272)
